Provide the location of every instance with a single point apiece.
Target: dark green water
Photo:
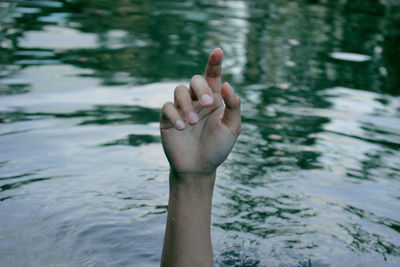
(314, 179)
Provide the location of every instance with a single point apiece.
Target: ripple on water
(313, 180)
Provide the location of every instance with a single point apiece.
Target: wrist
(192, 183)
(189, 178)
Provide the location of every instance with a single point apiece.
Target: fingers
(213, 70)
(184, 102)
(231, 116)
(200, 90)
(171, 114)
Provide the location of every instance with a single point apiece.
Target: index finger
(213, 70)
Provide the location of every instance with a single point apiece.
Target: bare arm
(187, 239)
(198, 132)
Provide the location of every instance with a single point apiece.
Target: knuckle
(214, 74)
(180, 88)
(205, 89)
(197, 77)
(184, 106)
(238, 101)
(235, 101)
(165, 106)
(182, 99)
(239, 129)
(196, 80)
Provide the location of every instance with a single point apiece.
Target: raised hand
(197, 130)
(197, 133)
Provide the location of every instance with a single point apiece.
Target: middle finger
(184, 102)
(200, 90)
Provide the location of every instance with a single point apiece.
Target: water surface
(313, 180)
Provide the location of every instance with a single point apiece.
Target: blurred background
(314, 179)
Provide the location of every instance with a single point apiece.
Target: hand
(197, 130)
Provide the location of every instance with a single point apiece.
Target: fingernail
(193, 118)
(180, 124)
(206, 99)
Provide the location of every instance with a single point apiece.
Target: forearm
(187, 239)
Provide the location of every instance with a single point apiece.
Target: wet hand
(198, 131)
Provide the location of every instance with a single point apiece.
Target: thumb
(231, 116)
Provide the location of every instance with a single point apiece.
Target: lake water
(314, 179)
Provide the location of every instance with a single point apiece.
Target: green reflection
(135, 140)
(281, 56)
(99, 115)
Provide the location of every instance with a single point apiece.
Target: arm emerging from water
(198, 132)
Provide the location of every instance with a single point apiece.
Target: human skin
(198, 132)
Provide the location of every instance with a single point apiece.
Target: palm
(201, 147)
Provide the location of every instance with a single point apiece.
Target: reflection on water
(313, 180)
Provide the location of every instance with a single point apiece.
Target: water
(313, 180)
